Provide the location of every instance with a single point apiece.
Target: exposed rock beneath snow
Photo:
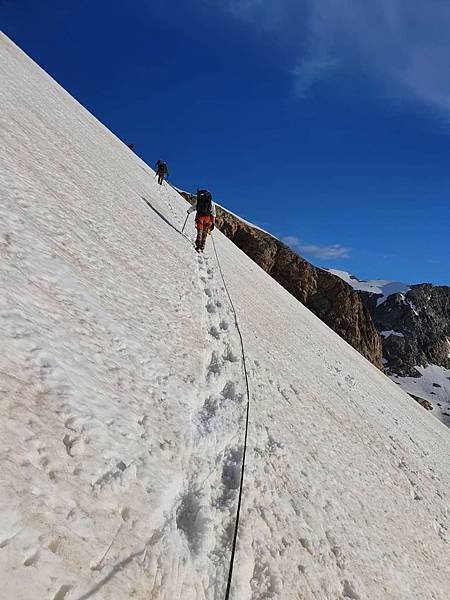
(432, 383)
(425, 403)
(422, 317)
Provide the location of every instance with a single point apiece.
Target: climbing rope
(241, 484)
(247, 413)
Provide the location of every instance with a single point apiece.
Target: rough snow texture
(327, 296)
(122, 400)
(433, 385)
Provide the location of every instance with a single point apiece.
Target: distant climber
(204, 218)
(131, 147)
(161, 171)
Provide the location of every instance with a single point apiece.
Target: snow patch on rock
(383, 287)
(433, 385)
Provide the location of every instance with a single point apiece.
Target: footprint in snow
(215, 365)
(211, 307)
(349, 591)
(231, 474)
(192, 520)
(230, 356)
(214, 332)
(32, 559)
(62, 592)
(230, 392)
(208, 411)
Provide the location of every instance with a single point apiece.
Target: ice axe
(185, 221)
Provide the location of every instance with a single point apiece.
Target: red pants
(203, 225)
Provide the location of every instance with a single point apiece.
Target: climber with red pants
(204, 218)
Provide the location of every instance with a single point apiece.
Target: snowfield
(433, 385)
(384, 287)
(122, 399)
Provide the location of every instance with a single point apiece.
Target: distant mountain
(414, 323)
(382, 288)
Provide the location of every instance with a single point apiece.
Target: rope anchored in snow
(241, 484)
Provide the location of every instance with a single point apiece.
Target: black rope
(241, 485)
(247, 411)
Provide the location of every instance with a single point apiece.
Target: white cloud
(269, 14)
(311, 70)
(402, 46)
(322, 252)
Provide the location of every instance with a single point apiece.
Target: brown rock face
(326, 295)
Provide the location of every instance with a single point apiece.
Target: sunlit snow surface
(122, 399)
(376, 286)
(391, 332)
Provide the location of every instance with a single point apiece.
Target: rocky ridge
(326, 295)
(415, 327)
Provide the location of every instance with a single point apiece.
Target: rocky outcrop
(425, 403)
(416, 326)
(327, 296)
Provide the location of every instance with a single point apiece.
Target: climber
(204, 218)
(161, 171)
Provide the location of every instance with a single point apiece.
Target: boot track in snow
(207, 508)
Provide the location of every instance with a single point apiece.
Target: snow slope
(384, 287)
(122, 399)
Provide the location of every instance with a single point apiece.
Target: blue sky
(327, 122)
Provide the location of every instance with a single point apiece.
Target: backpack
(204, 203)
